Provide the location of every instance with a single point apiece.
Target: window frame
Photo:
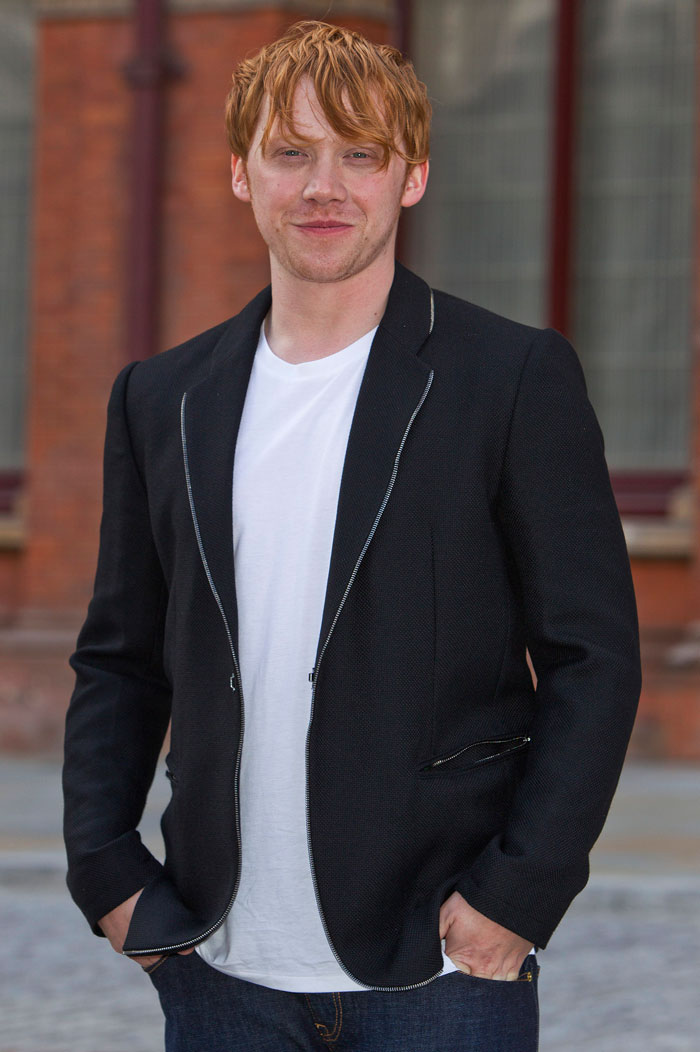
(643, 494)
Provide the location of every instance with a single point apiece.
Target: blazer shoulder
(149, 392)
(185, 362)
(494, 344)
(462, 319)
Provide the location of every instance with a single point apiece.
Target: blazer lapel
(211, 415)
(393, 386)
(394, 383)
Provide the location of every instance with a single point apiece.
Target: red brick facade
(212, 259)
(212, 262)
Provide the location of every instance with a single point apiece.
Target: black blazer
(475, 520)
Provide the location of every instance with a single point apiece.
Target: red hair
(368, 92)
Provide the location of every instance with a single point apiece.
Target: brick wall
(666, 596)
(10, 584)
(212, 262)
(212, 258)
(77, 285)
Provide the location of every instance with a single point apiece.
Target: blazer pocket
(476, 754)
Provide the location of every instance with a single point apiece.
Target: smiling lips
(323, 226)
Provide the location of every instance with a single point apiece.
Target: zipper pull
(312, 675)
(232, 682)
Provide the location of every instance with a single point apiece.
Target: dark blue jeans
(207, 1011)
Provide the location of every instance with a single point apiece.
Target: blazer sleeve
(120, 706)
(570, 564)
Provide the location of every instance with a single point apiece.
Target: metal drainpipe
(561, 234)
(401, 34)
(146, 73)
(402, 25)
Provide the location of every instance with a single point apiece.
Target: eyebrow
(279, 136)
(290, 137)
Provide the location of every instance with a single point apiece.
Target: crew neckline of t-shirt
(332, 363)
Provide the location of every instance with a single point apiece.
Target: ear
(239, 179)
(416, 182)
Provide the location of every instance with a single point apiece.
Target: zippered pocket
(482, 752)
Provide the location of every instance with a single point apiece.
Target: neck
(310, 320)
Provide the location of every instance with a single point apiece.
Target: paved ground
(620, 974)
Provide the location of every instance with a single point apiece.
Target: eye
(291, 152)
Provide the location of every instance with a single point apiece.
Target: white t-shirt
(289, 458)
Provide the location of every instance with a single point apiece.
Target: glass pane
(16, 115)
(635, 225)
(481, 230)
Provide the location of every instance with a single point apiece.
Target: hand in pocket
(478, 945)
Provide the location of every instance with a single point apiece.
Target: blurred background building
(563, 192)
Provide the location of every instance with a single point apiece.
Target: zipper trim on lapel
(235, 677)
(314, 678)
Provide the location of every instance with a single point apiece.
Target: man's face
(326, 209)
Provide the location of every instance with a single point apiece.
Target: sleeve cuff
(104, 878)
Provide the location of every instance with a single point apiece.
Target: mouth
(323, 226)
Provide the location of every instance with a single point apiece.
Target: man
(418, 497)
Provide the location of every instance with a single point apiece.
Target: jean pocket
(156, 964)
(529, 971)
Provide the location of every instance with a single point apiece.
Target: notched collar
(394, 384)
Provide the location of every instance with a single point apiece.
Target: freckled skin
(326, 209)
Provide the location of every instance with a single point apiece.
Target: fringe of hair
(368, 92)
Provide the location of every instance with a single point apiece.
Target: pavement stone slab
(619, 975)
(611, 981)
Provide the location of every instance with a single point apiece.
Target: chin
(326, 272)
(325, 276)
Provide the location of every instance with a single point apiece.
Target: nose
(324, 183)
